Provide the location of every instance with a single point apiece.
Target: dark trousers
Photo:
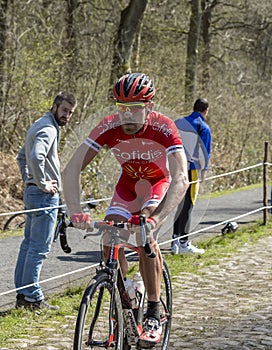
(183, 214)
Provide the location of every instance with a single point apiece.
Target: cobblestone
(228, 307)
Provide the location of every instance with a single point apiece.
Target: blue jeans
(38, 237)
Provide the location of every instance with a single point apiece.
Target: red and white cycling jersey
(142, 155)
(144, 178)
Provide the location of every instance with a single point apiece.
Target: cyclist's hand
(150, 222)
(81, 221)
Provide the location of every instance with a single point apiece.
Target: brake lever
(145, 233)
(63, 237)
(61, 232)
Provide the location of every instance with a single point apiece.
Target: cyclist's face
(133, 115)
(63, 112)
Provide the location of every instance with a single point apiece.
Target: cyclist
(153, 176)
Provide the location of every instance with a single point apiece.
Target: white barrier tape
(54, 207)
(105, 199)
(229, 173)
(50, 279)
(133, 253)
(234, 171)
(219, 224)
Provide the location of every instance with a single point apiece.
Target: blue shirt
(196, 138)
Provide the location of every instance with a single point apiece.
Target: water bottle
(138, 283)
(131, 292)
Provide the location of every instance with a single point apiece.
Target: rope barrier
(220, 223)
(132, 253)
(105, 199)
(53, 207)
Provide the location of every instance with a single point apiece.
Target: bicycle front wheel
(100, 321)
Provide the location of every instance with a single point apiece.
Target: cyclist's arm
(177, 188)
(71, 177)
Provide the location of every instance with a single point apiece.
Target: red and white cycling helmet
(134, 87)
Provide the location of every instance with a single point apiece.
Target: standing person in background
(40, 170)
(196, 137)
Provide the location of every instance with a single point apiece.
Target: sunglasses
(131, 107)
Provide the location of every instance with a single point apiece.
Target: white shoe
(175, 246)
(190, 248)
(178, 248)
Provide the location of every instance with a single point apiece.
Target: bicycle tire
(165, 312)
(100, 308)
(166, 308)
(15, 222)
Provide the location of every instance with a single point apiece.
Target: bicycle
(17, 221)
(106, 318)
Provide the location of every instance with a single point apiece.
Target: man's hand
(51, 186)
(150, 222)
(81, 220)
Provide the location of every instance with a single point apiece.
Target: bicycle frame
(112, 268)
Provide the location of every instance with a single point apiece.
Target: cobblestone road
(228, 307)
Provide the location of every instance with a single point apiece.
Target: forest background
(221, 50)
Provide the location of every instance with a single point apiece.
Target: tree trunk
(128, 30)
(3, 37)
(71, 46)
(207, 8)
(192, 46)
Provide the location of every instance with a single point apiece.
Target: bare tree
(207, 8)
(192, 49)
(128, 30)
(71, 45)
(3, 35)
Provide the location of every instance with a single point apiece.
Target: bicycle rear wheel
(15, 222)
(166, 308)
(100, 321)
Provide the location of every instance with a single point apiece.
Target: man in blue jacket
(40, 170)
(196, 138)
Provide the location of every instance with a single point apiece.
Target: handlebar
(145, 232)
(63, 222)
(103, 224)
